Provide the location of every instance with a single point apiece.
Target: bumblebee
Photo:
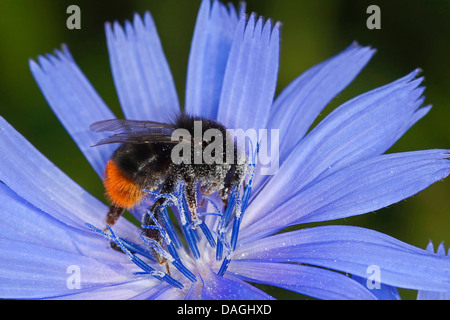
(145, 161)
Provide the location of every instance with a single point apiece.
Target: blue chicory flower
(338, 169)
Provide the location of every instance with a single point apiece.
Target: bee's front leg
(191, 198)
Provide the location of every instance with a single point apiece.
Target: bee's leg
(223, 193)
(205, 192)
(191, 198)
(155, 234)
(113, 215)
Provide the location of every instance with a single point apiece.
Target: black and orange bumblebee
(143, 161)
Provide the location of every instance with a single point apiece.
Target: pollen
(120, 189)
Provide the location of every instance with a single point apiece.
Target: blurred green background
(413, 34)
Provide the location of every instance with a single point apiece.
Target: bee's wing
(133, 131)
(124, 125)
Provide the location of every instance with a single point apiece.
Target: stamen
(219, 212)
(136, 260)
(204, 228)
(203, 214)
(240, 210)
(189, 233)
(156, 226)
(138, 249)
(208, 235)
(191, 241)
(170, 199)
(170, 229)
(157, 247)
(177, 199)
(161, 230)
(176, 262)
(172, 255)
(224, 266)
(221, 237)
(241, 206)
(236, 225)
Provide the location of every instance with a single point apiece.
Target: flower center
(222, 238)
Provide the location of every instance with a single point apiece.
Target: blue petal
(315, 282)
(75, 103)
(360, 188)
(133, 290)
(251, 75)
(434, 295)
(161, 291)
(38, 181)
(38, 252)
(383, 292)
(300, 103)
(141, 74)
(195, 291)
(213, 35)
(295, 109)
(353, 250)
(222, 288)
(25, 223)
(34, 271)
(363, 127)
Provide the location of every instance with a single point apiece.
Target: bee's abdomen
(120, 189)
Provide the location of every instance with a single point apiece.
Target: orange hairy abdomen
(120, 189)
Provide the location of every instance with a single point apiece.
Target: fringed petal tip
(418, 71)
(352, 250)
(213, 35)
(142, 23)
(73, 100)
(355, 44)
(440, 249)
(253, 19)
(251, 74)
(42, 62)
